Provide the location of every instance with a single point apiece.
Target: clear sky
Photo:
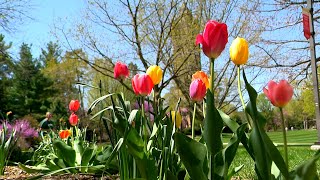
(38, 31)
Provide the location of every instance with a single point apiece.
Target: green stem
(284, 132)
(211, 75)
(211, 88)
(144, 125)
(241, 98)
(193, 118)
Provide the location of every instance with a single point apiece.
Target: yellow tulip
(176, 117)
(155, 72)
(239, 51)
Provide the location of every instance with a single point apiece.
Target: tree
(32, 91)
(13, 12)
(163, 33)
(6, 65)
(66, 70)
(266, 108)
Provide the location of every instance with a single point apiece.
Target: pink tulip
(213, 39)
(279, 94)
(120, 71)
(142, 84)
(197, 90)
(73, 119)
(74, 105)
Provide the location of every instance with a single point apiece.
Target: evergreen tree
(32, 91)
(5, 74)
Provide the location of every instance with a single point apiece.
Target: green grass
(297, 155)
(298, 136)
(303, 137)
(298, 151)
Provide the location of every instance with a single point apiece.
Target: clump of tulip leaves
(72, 155)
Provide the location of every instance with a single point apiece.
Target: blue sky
(38, 31)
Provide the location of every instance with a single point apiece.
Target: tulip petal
(199, 39)
(283, 93)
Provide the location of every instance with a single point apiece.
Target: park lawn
(297, 155)
(295, 136)
(299, 142)
(302, 137)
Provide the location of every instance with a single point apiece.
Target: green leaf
(192, 155)
(264, 150)
(307, 170)
(234, 171)
(234, 126)
(65, 152)
(132, 116)
(78, 147)
(87, 155)
(225, 157)
(212, 126)
(135, 144)
(97, 101)
(103, 110)
(33, 169)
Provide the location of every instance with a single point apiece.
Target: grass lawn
(302, 137)
(299, 151)
(297, 155)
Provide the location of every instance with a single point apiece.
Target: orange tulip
(201, 75)
(64, 134)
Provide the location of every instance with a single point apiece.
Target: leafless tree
(13, 13)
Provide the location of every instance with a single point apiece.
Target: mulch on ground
(14, 172)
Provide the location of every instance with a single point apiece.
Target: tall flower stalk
(279, 95)
(284, 133)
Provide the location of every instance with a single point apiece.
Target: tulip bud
(155, 73)
(239, 51)
(142, 84)
(197, 90)
(64, 134)
(279, 94)
(213, 39)
(201, 75)
(74, 105)
(120, 71)
(73, 119)
(176, 117)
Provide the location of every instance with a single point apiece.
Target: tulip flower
(73, 119)
(201, 75)
(213, 39)
(74, 105)
(142, 84)
(120, 71)
(64, 134)
(279, 94)
(155, 72)
(197, 90)
(239, 51)
(176, 117)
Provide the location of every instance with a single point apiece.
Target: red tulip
(73, 119)
(64, 134)
(213, 39)
(74, 105)
(120, 71)
(142, 84)
(279, 94)
(197, 90)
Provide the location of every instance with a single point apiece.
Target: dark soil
(14, 172)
